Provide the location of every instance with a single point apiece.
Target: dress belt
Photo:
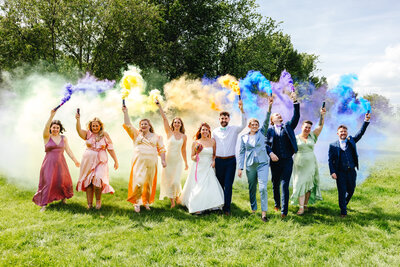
(229, 157)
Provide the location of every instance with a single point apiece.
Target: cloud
(379, 76)
(382, 75)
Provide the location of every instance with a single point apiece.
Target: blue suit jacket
(288, 128)
(334, 149)
(258, 151)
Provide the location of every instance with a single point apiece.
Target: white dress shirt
(226, 138)
(343, 144)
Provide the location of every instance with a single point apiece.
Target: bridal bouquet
(198, 148)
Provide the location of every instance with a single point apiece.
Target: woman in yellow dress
(143, 177)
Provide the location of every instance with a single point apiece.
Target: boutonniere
(348, 138)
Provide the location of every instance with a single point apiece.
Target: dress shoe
(343, 215)
(277, 208)
(227, 213)
(283, 216)
(264, 219)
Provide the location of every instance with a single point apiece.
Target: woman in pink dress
(170, 185)
(93, 175)
(143, 178)
(55, 181)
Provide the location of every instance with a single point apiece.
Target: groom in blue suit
(281, 145)
(343, 159)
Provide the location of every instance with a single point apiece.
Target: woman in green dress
(305, 167)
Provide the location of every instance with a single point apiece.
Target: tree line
(168, 37)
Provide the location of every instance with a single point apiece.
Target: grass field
(69, 235)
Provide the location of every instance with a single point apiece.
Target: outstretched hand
(240, 104)
(293, 96)
(270, 100)
(323, 112)
(367, 116)
(124, 109)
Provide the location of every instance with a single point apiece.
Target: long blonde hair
(100, 134)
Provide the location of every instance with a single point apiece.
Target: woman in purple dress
(55, 181)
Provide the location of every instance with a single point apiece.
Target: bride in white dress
(202, 190)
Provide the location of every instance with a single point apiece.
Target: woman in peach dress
(93, 175)
(170, 185)
(143, 177)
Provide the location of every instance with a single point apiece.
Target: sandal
(43, 209)
(137, 208)
(147, 206)
(64, 201)
(89, 206)
(301, 210)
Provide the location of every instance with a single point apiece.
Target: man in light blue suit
(253, 152)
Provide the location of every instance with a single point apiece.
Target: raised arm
(318, 130)
(167, 129)
(46, 131)
(111, 151)
(242, 117)
(82, 133)
(265, 125)
(69, 152)
(183, 151)
(132, 131)
(296, 112)
(361, 132)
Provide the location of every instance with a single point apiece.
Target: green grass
(69, 235)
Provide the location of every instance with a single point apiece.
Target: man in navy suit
(343, 159)
(281, 145)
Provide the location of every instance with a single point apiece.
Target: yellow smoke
(229, 82)
(131, 80)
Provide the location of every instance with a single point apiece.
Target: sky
(361, 37)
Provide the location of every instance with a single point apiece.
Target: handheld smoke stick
(323, 104)
(368, 111)
(240, 97)
(78, 111)
(123, 103)
(58, 107)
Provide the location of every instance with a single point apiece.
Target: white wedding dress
(205, 193)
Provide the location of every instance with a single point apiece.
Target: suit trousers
(258, 173)
(346, 184)
(281, 172)
(225, 171)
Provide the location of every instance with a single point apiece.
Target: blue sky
(361, 37)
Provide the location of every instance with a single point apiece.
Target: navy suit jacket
(288, 128)
(334, 149)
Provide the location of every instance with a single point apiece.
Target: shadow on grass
(328, 213)
(157, 213)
